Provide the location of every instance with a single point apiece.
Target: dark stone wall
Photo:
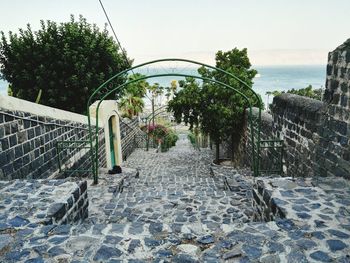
(315, 133)
(28, 144)
(265, 207)
(132, 136)
(334, 148)
(266, 133)
(298, 121)
(74, 209)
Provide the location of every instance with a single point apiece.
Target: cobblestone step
(171, 207)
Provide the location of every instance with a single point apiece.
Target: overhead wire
(115, 36)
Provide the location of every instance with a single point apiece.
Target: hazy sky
(274, 31)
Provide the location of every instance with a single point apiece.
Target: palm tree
(132, 103)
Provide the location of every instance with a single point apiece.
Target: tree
(306, 92)
(67, 61)
(132, 101)
(170, 91)
(156, 90)
(216, 110)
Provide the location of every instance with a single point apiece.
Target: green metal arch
(173, 59)
(94, 155)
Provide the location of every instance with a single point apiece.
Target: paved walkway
(175, 187)
(175, 207)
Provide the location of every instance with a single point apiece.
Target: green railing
(75, 157)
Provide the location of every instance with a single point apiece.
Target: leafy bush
(192, 138)
(169, 140)
(65, 61)
(161, 134)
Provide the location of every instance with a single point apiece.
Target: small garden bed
(162, 136)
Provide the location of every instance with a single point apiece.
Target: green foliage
(169, 140)
(156, 92)
(216, 110)
(161, 134)
(192, 138)
(306, 92)
(67, 61)
(132, 103)
(9, 90)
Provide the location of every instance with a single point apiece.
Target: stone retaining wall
(298, 121)
(131, 136)
(42, 202)
(28, 138)
(73, 210)
(265, 207)
(315, 133)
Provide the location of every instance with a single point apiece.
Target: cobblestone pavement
(176, 207)
(175, 187)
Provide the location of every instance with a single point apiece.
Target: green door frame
(111, 141)
(106, 93)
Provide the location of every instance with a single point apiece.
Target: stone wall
(315, 133)
(74, 209)
(42, 202)
(28, 138)
(131, 136)
(265, 207)
(334, 148)
(298, 121)
(266, 133)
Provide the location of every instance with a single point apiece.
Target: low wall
(60, 202)
(299, 122)
(313, 141)
(28, 137)
(74, 209)
(265, 207)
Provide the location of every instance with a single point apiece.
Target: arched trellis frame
(94, 136)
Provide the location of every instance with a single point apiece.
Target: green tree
(67, 61)
(306, 92)
(156, 90)
(170, 91)
(132, 102)
(216, 110)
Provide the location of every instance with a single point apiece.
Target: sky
(276, 32)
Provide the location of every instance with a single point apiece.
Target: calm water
(270, 78)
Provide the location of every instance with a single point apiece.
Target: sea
(269, 78)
